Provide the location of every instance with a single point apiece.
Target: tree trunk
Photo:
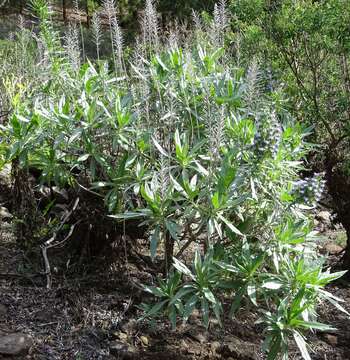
(64, 11)
(346, 257)
(24, 206)
(87, 14)
(338, 184)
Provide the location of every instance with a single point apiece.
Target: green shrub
(186, 141)
(305, 46)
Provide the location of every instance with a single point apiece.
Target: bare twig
(50, 243)
(191, 239)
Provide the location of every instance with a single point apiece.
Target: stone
(331, 339)
(15, 344)
(333, 249)
(122, 350)
(5, 175)
(120, 335)
(5, 214)
(144, 340)
(325, 217)
(238, 349)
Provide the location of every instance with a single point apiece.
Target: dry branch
(50, 243)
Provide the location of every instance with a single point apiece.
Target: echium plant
(176, 140)
(236, 182)
(259, 248)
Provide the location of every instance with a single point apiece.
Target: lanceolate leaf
(182, 268)
(173, 229)
(229, 225)
(301, 345)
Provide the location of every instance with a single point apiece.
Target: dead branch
(50, 243)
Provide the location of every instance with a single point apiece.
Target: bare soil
(95, 317)
(95, 314)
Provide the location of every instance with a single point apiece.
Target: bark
(64, 10)
(338, 184)
(87, 14)
(24, 205)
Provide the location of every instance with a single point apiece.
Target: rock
(5, 175)
(5, 214)
(15, 344)
(144, 340)
(325, 217)
(331, 339)
(333, 249)
(122, 350)
(120, 335)
(238, 349)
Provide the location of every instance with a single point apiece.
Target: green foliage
(306, 46)
(182, 138)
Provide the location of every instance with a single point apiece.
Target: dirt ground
(95, 315)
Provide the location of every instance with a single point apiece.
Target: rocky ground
(96, 316)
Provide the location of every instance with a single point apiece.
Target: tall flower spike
(197, 21)
(96, 32)
(220, 23)
(163, 177)
(310, 190)
(149, 24)
(118, 42)
(253, 88)
(115, 33)
(223, 15)
(72, 46)
(77, 13)
(174, 35)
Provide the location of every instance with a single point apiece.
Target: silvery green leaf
(301, 345)
(272, 285)
(182, 268)
(173, 229)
